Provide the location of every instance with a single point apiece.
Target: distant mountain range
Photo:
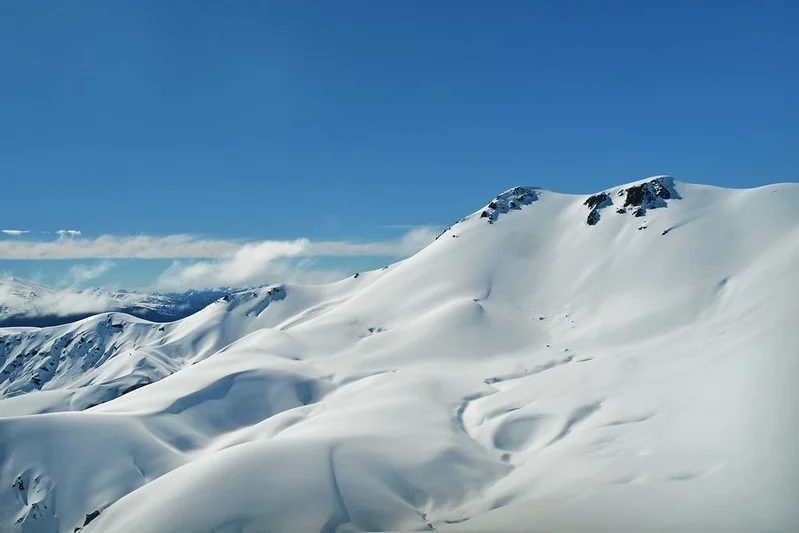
(24, 303)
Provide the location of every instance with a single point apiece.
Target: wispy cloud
(68, 233)
(46, 301)
(118, 247)
(267, 261)
(14, 232)
(77, 275)
(202, 263)
(191, 247)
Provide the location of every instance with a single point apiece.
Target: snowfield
(620, 362)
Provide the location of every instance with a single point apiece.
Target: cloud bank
(29, 300)
(192, 247)
(266, 261)
(203, 263)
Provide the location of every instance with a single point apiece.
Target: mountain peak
(635, 198)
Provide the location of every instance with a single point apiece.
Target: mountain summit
(617, 361)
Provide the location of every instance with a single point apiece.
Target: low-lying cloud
(118, 247)
(192, 247)
(203, 263)
(256, 263)
(53, 302)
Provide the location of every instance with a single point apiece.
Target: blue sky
(359, 121)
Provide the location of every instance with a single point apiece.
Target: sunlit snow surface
(528, 370)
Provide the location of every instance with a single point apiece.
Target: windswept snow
(529, 370)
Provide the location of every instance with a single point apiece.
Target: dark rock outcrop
(509, 200)
(595, 203)
(91, 516)
(649, 195)
(598, 200)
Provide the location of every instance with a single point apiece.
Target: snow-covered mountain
(24, 303)
(624, 361)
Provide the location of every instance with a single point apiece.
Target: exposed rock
(639, 194)
(512, 199)
(595, 203)
(660, 189)
(649, 195)
(91, 516)
(621, 210)
(598, 200)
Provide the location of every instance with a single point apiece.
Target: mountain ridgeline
(623, 361)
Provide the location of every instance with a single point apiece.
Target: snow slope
(24, 303)
(550, 363)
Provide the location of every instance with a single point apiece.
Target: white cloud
(118, 247)
(250, 264)
(23, 299)
(214, 262)
(68, 233)
(268, 261)
(191, 247)
(79, 274)
(14, 232)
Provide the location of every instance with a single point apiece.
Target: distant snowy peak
(115, 353)
(23, 303)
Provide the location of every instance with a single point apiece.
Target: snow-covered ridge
(111, 354)
(634, 374)
(24, 303)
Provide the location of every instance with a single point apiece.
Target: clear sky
(361, 121)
